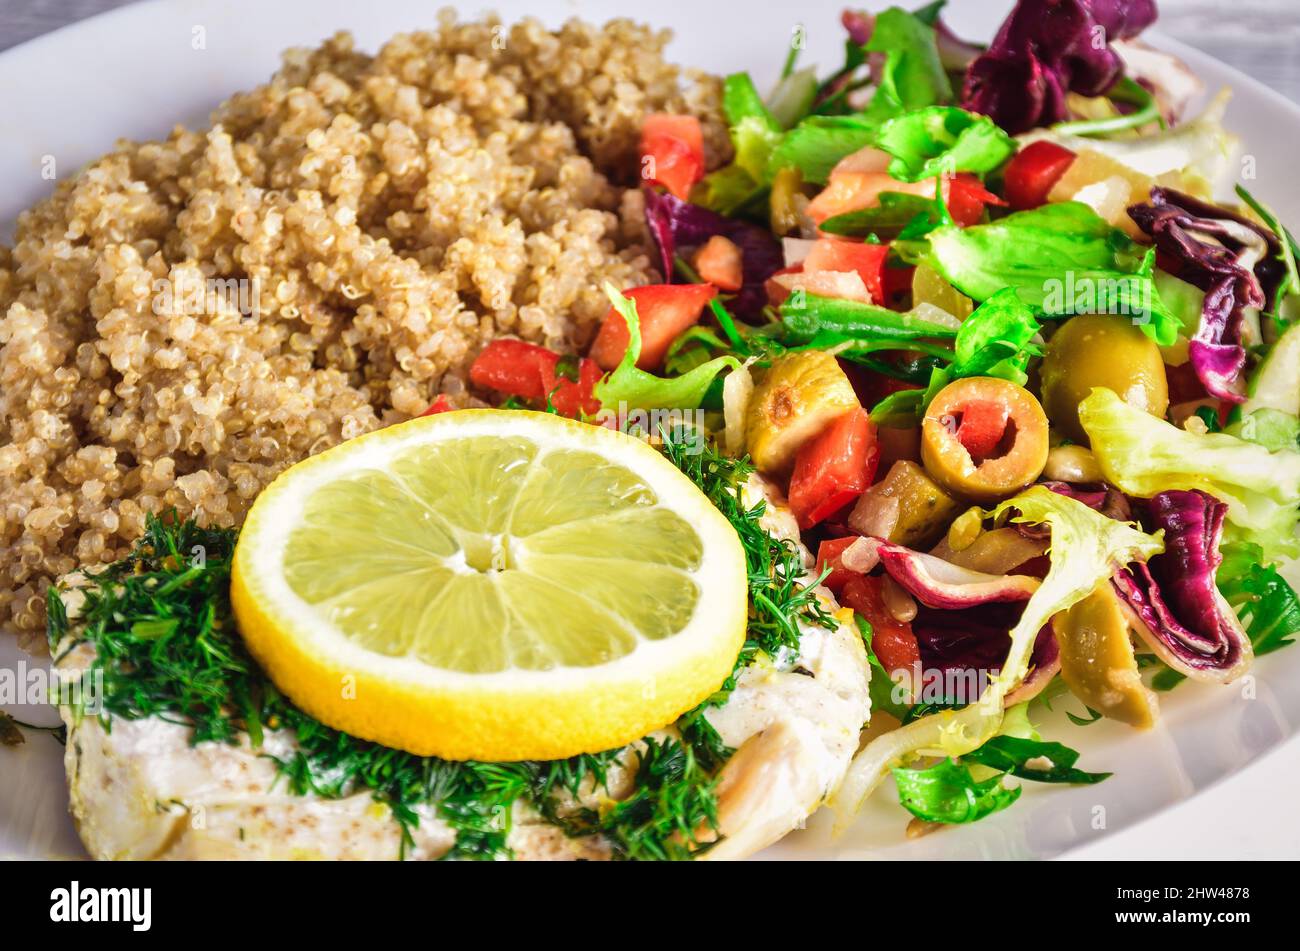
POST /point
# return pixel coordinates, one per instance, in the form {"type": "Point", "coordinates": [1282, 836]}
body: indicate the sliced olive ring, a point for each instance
{"type": "Point", "coordinates": [984, 439]}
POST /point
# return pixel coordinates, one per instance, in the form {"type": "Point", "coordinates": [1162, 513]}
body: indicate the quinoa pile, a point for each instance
{"type": "Point", "coordinates": [184, 319]}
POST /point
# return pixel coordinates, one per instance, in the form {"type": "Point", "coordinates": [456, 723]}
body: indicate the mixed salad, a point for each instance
{"type": "Point", "coordinates": [1032, 392]}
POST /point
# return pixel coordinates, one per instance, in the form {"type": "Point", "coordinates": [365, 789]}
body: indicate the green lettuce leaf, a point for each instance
{"type": "Point", "coordinates": [947, 793]}
{"type": "Point", "coordinates": [1143, 455]}
{"type": "Point", "coordinates": [816, 145]}
{"type": "Point", "coordinates": [1270, 428]}
{"type": "Point", "coordinates": [942, 140]}
{"type": "Point", "coordinates": [913, 75]}
{"type": "Point", "coordinates": [809, 317]}
{"type": "Point", "coordinates": [1185, 301]}
{"type": "Point", "coordinates": [1268, 606]}
{"type": "Point", "coordinates": [996, 340]}
{"type": "Point", "coordinates": [636, 389]}
{"type": "Point", "coordinates": [754, 130]}
{"type": "Point", "coordinates": [1063, 259]}
{"type": "Point", "coordinates": [1086, 549]}
{"type": "Point", "coordinates": [1001, 329]}
{"type": "Point", "coordinates": [897, 214]}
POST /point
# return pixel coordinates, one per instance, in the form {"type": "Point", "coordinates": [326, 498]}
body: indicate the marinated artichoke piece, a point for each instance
{"type": "Point", "coordinates": [1096, 350]}
{"type": "Point", "coordinates": [907, 507]}
{"type": "Point", "coordinates": [800, 396]}
{"type": "Point", "coordinates": [1097, 660]}
{"type": "Point", "coordinates": [984, 439]}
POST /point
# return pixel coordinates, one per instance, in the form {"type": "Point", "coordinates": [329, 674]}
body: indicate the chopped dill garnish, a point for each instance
{"type": "Point", "coordinates": [164, 635]}
{"type": "Point", "coordinates": [780, 596]}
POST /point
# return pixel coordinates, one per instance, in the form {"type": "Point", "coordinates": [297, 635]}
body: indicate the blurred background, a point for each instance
{"type": "Point", "coordinates": [1259, 37]}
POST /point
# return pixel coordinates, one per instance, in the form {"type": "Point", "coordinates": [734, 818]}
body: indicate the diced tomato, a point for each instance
{"type": "Point", "coordinates": [897, 282]}
{"type": "Point", "coordinates": [672, 152]}
{"type": "Point", "coordinates": [573, 398]}
{"type": "Point", "coordinates": [441, 405]}
{"type": "Point", "coordinates": [1184, 385]}
{"type": "Point", "coordinates": [513, 367]}
{"type": "Point", "coordinates": [720, 263]}
{"type": "Point", "coordinates": [831, 254]}
{"type": "Point", "coordinates": [892, 640]}
{"type": "Point", "coordinates": [983, 424]}
{"type": "Point", "coordinates": [533, 373]}
{"type": "Point", "coordinates": [834, 468]}
{"type": "Point", "coordinates": [966, 198]}
{"type": "Point", "coordinates": [776, 291]}
{"type": "Point", "coordinates": [828, 553]}
{"type": "Point", "coordinates": [1032, 174]}
{"type": "Point", "coordinates": [839, 285]}
{"type": "Point", "coordinates": [665, 311]}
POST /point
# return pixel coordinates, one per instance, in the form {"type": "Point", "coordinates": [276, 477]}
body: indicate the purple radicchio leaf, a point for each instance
{"type": "Point", "coordinates": [1233, 260]}
{"type": "Point", "coordinates": [859, 25]}
{"type": "Point", "coordinates": [953, 644]}
{"type": "Point", "coordinates": [964, 619]}
{"type": "Point", "coordinates": [675, 223]}
{"type": "Point", "coordinates": [1107, 500]}
{"type": "Point", "coordinates": [1046, 49]}
{"type": "Point", "coordinates": [1182, 615]}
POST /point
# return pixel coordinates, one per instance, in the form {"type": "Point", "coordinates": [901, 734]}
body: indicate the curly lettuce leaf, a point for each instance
{"type": "Point", "coordinates": [1063, 259]}
{"type": "Point", "coordinates": [754, 130]}
{"type": "Point", "coordinates": [816, 145]}
{"type": "Point", "coordinates": [898, 214]}
{"type": "Point", "coordinates": [1001, 329]}
{"type": "Point", "coordinates": [939, 140]}
{"type": "Point", "coordinates": [1087, 548]}
{"type": "Point", "coordinates": [1143, 456]}
{"type": "Point", "coordinates": [634, 388]}
{"type": "Point", "coordinates": [947, 793]}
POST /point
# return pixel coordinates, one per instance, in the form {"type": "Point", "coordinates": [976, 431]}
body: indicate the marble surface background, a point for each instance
{"type": "Point", "coordinates": [1259, 37]}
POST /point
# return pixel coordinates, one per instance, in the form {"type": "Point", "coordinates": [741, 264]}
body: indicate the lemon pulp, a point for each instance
{"type": "Point", "coordinates": [491, 585]}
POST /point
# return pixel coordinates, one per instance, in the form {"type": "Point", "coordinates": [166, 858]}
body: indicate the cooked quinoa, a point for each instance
{"type": "Point", "coordinates": [387, 216]}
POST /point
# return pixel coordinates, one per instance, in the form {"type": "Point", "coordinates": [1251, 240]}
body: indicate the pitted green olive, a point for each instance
{"type": "Point", "coordinates": [1098, 350]}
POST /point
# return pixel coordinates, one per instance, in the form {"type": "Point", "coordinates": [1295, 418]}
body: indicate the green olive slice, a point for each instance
{"type": "Point", "coordinates": [1014, 463]}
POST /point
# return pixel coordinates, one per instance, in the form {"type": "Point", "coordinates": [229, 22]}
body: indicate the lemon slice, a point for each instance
{"type": "Point", "coordinates": [491, 585]}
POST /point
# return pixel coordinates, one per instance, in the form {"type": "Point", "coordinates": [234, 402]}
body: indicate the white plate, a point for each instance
{"type": "Point", "coordinates": [135, 72]}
